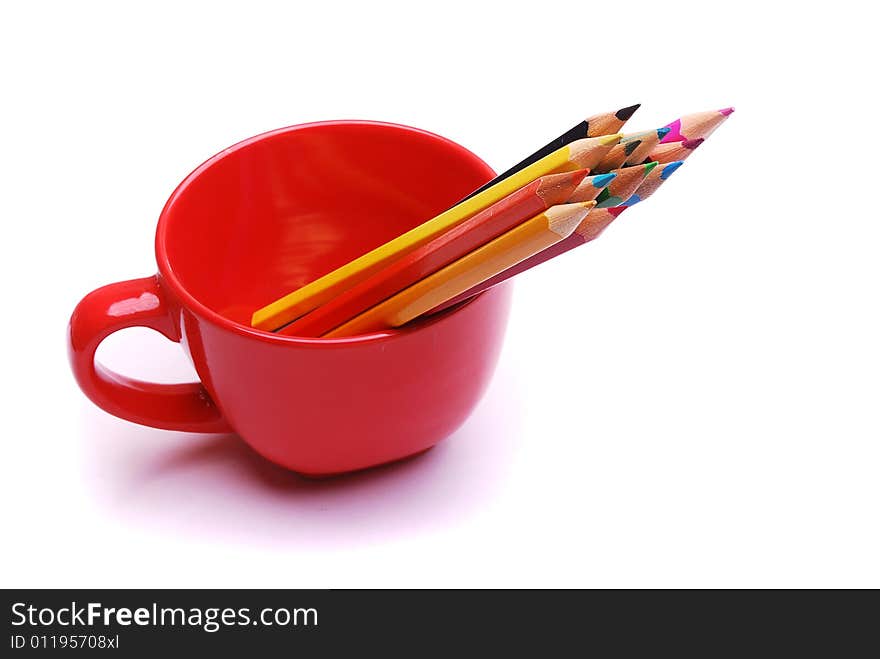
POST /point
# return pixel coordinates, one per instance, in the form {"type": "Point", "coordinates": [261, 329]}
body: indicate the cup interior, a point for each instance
{"type": "Point", "coordinates": [279, 210]}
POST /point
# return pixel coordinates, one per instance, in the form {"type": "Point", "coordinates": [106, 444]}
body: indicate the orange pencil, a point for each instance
{"type": "Point", "coordinates": [536, 197]}
{"type": "Point", "coordinates": [527, 239]}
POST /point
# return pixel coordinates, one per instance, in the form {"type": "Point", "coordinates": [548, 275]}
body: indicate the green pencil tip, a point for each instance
{"type": "Point", "coordinates": [649, 166]}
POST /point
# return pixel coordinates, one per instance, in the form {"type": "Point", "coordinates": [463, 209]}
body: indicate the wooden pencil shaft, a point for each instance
{"type": "Point", "coordinates": [627, 181]}
{"type": "Point", "coordinates": [697, 125]}
{"type": "Point", "coordinates": [591, 187]}
{"type": "Point", "coordinates": [632, 149]}
{"type": "Point", "coordinates": [657, 177]}
{"type": "Point", "coordinates": [646, 145]}
{"type": "Point", "coordinates": [672, 151]}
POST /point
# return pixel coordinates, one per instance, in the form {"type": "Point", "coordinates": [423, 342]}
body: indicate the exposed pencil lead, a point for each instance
{"type": "Point", "coordinates": [610, 139]}
{"type": "Point", "coordinates": [625, 113]}
{"type": "Point", "coordinates": [631, 146]}
{"type": "Point", "coordinates": [603, 180]}
{"type": "Point", "coordinates": [669, 169]}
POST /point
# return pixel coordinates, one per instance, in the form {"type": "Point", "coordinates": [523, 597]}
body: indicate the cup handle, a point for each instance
{"type": "Point", "coordinates": [135, 303]}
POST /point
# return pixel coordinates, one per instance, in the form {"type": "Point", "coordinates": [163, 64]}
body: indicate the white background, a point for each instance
{"type": "Point", "coordinates": [705, 413]}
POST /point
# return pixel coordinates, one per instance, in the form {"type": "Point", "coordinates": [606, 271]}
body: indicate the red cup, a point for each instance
{"type": "Point", "coordinates": [265, 217]}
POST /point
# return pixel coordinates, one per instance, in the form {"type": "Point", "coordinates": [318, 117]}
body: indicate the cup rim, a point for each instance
{"type": "Point", "coordinates": [170, 279]}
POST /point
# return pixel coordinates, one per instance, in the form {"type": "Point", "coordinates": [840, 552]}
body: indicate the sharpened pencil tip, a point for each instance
{"type": "Point", "coordinates": [663, 132]}
{"type": "Point", "coordinates": [609, 139]}
{"type": "Point", "coordinates": [563, 218]}
{"type": "Point", "coordinates": [602, 180]}
{"type": "Point", "coordinates": [669, 169]}
{"type": "Point", "coordinates": [649, 166]}
{"type": "Point", "coordinates": [625, 113]}
{"type": "Point", "coordinates": [727, 111]}
{"type": "Point", "coordinates": [631, 146]}
{"type": "Point", "coordinates": [692, 144]}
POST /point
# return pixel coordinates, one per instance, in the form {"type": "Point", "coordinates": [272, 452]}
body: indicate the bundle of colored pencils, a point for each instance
{"type": "Point", "coordinates": [560, 197]}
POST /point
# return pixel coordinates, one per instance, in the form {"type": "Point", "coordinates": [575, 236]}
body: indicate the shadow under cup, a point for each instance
{"type": "Point", "coordinates": [265, 217]}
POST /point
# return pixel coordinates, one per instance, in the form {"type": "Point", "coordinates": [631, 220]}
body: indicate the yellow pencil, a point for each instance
{"type": "Point", "coordinates": [530, 237]}
{"type": "Point", "coordinates": [580, 154]}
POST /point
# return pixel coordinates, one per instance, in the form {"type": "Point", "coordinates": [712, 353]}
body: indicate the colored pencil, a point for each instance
{"type": "Point", "coordinates": [672, 151]}
{"type": "Point", "coordinates": [502, 216]}
{"type": "Point", "coordinates": [606, 123]}
{"type": "Point", "coordinates": [654, 180]}
{"type": "Point", "coordinates": [624, 185]}
{"type": "Point", "coordinates": [631, 145]}
{"type": "Point", "coordinates": [696, 126]}
{"type": "Point", "coordinates": [530, 237]}
{"type": "Point", "coordinates": [580, 154]}
{"type": "Point", "coordinates": [589, 229]}
{"type": "Point", "coordinates": [647, 144]}
{"type": "Point", "coordinates": [599, 218]}
{"type": "Point", "coordinates": [591, 187]}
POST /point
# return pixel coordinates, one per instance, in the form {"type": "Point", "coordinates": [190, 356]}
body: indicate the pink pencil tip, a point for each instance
{"type": "Point", "coordinates": [692, 144]}
{"type": "Point", "coordinates": [726, 111]}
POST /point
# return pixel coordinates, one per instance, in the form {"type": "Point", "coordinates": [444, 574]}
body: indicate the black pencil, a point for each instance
{"type": "Point", "coordinates": [600, 124]}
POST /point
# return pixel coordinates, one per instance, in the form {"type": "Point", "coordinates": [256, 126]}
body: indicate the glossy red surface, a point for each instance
{"type": "Point", "coordinates": [258, 220]}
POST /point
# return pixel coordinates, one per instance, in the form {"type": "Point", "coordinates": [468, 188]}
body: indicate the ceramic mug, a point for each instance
{"type": "Point", "coordinates": [265, 217]}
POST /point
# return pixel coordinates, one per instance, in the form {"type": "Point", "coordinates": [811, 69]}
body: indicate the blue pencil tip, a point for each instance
{"type": "Point", "coordinates": [662, 132]}
{"type": "Point", "coordinates": [603, 180]}
{"type": "Point", "coordinates": [669, 168]}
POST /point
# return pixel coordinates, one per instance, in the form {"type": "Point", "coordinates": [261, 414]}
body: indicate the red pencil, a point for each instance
{"type": "Point", "coordinates": [528, 201]}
